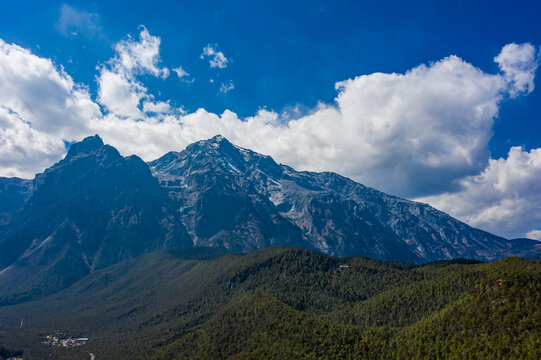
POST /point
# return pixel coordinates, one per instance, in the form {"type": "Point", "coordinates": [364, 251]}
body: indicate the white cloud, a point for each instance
{"type": "Point", "coordinates": [181, 72]}
{"type": "Point", "coordinates": [216, 58]}
{"type": "Point", "coordinates": [505, 198]}
{"type": "Point", "coordinates": [42, 94]}
{"type": "Point", "coordinates": [227, 87]}
{"type": "Point", "coordinates": [534, 234]}
{"type": "Point", "coordinates": [421, 133]}
{"type": "Point", "coordinates": [40, 105]}
{"type": "Point", "coordinates": [120, 94]}
{"type": "Point", "coordinates": [118, 89]}
{"type": "Point", "coordinates": [159, 107]}
{"type": "Point", "coordinates": [183, 75]}
{"type": "Point", "coordinates": [518, 63]}
{"type": "Point", "coordinates": [139, 57]}
{"type": "Point", "coordinates": [24, 150]}
{"type": "Point", "coordinates": [74, 22]}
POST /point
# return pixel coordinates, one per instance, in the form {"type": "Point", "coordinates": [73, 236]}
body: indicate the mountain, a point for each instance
{"type": "Point", "coordinates": [287, 303]}
{"type": "Point", "coordinates": [92, 209]}
{"type": "Point", "coordinates": [96, 207]}
{"type": "Point", "coordinates": [218, 205]}
{"type": "Point", "coordinates": [524, 248]}
{"type": "Point", "coordinates": [242, 200]}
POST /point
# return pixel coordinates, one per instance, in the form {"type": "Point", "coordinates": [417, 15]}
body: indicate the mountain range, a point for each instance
{"type": "Point", "coordinates": [95, 208]}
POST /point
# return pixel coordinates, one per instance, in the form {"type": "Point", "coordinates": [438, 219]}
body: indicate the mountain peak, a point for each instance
{"type": "Point", "coordinates": [218, 139]}
{"type": "Point", "coordinates": [87, 145]}
{"type": "Point", "coordinates": [218, 144]}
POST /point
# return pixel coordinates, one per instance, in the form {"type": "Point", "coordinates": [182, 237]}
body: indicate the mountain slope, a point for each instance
{"type": "Point", "coordinates": [497, 316]}
{"type": "Point", "coordinates": [92, 209]}
{"type": "Point", "coordinates": [197, 304]}
{"type": "Point", "coordinates": [226, 193]}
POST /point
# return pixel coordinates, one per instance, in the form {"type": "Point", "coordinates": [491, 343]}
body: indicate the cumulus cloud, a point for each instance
{"type": "Point", "coordinates": [518, 63]}
{"type": "Point", "coordinates": [422, 133]}
{"type": "Point", "coordinates": [139, 57]}
{"type": "Point", "coordinates": [74, 22]}
{"type": "Point", "coordinates": [118, 89]}
{"type": "Point", "coordinates": [40, 106]}
{"type": "Point", "coordinates": [24, 150]}
{"type": "Point", "coordinates": [227, 87]}
{"type": "Point", "coordinates": [505, 198]}
{"type": "Point", "coordinates": [158, 107]}
{"type": "Point", "coordinates": [120, 94]}
{"type": "Point", "coordinates": [216, 58]}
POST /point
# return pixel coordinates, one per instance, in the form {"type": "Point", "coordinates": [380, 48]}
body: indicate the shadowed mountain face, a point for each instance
{"type": "Point", "coordinates": [92, 209]}
{"type": "Point", "coordinates": [96, 208]}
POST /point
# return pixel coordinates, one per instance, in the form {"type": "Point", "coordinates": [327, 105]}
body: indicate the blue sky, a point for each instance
{"type": "Point", "coordinates": [312, 83]}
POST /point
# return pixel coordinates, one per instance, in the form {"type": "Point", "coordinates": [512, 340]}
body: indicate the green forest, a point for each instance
{"type": "Point", "coordinates": [287, 303]}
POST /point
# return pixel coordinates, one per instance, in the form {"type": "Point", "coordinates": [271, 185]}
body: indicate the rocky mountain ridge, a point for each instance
{"type": "Point", "coordinates": [333, 214]}
{"type": "Point", "coordinates": [96, 207]}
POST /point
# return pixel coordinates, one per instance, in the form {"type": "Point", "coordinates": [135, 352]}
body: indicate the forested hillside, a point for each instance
{"type": "Point", "coordinates": [288, 303]}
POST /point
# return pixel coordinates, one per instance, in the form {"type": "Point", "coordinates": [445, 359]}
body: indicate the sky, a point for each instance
{"type": "Point", "coordinates": [432, 101]}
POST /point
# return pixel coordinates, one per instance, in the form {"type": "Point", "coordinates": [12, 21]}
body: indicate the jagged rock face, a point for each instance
{"type": "Point", "coordinates": [92, 209]}
{"type": "Point", "coordinates": [240, 199]}
{"type": "Point", "coordinates": [218, 205]}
